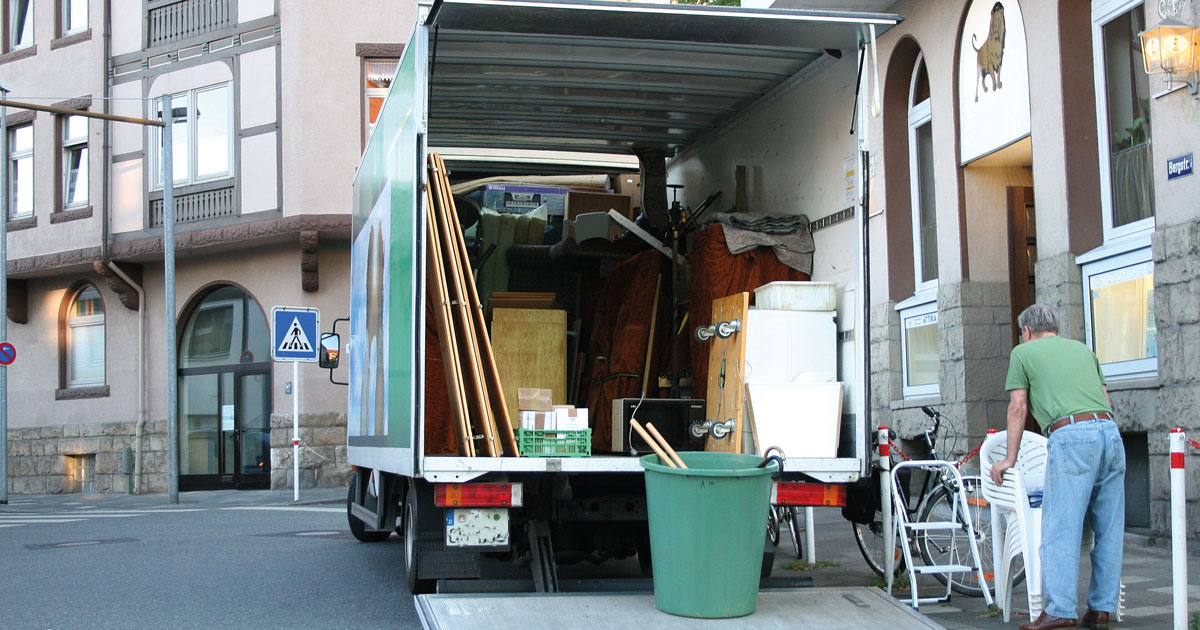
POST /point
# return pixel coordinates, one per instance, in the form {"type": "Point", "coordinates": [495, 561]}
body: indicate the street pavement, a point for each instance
{"type": "Point", "coordinates": [307, 586]}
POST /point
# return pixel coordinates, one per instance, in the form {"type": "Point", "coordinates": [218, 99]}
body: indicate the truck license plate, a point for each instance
{"type": "Point", "coordinates": [477, 527]}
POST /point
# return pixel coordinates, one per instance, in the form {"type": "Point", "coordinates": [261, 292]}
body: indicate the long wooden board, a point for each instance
{"type": "Point", "coordinates": [477, 398]}
{"type": "Point", "coordinates": [727, 373]}
{"type": "Point", "coordinates": [500, 420]}
{"type": "Point", "coordinates": [449, 343]}
{"type": "Point", "coordinates": [531, 351]}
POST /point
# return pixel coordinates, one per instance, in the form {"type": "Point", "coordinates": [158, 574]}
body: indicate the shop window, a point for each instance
{"type": "Point", "coordinates": [1120, 314]}
{"type": "Point", "coordinates": [20, 171]}
{"type": "Point", "coordinates": [377, 78]}
{"type": "Point", "coordinates": [18, 32]}
{"type": "Point", "coordinates": [920, 147]}
{"type": "Point", "coordinates": [85, 339]}
{"type": "Point", "coordinates": [75, 161]}
{"type": "Point", "coordinates": [919, 347]}
{"type": "Point", "coordinates": [202, 136]}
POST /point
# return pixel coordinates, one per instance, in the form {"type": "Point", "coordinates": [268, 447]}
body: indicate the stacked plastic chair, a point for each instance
{"type": "Point", "coordinates": [1016, 527]}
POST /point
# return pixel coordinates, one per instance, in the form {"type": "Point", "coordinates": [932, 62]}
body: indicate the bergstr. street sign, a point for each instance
{"type": "Point", "coordinates": [295, 331]}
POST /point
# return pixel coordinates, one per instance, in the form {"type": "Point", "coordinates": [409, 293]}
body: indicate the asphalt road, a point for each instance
{"type": "Point", "coordinates": [196, 567]}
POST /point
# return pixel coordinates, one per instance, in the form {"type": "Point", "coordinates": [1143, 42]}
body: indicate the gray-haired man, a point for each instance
{"type": "Point", "coordinates": [1085, 466]}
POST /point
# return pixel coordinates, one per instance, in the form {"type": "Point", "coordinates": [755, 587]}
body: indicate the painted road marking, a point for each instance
{"type": "Point", "coordinates": [287, 508]}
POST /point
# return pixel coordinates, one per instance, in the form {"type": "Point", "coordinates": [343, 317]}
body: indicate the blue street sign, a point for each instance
{"type": "Point", "coordinates": [1180, 166]}
{"type": "Point", "coordinates": [295, 331]}
{"type": "Point", "coordinates": [8, 353]}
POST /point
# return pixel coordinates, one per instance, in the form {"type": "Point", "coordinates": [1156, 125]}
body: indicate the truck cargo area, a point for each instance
{"type": "Point", "coordinates": [810, 608]}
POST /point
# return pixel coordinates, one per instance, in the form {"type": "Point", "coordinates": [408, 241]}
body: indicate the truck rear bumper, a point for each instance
{"type": "Point", "coordinates": [463, 469]}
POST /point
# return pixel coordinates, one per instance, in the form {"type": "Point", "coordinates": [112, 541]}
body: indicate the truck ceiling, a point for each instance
{"type": "Point", "coordinates": [611, 77]}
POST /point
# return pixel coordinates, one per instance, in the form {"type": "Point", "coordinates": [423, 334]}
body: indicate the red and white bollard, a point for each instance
{"type": "Point", "coordinates": [1179, 529]}
{"type": "Point", "coordinates": [885, 486]}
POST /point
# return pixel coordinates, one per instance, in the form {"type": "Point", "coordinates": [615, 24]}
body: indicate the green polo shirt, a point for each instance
{"type": "Point", "coordinates": [1062, 375]}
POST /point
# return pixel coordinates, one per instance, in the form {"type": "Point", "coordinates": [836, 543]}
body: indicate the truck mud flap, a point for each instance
{"type": "Point", "coordinates": [827, 608]}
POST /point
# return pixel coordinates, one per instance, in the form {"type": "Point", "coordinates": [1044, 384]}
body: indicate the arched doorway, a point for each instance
{"type": "Point", "coordinates": [225, 394]}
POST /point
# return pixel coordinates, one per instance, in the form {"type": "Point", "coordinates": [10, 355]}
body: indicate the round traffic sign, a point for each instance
{"type": "Point", "coordinates": [8, 353]}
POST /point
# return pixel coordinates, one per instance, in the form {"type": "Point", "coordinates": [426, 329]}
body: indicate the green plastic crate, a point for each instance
{"type": "Point", "coordinates": [544, 443]}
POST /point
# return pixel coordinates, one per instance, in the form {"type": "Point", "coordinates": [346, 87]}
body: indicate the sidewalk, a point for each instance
{"type": "Point", "coordinates": [1146, 573]}
{"type": "Point", "coordinates": [206, 499]}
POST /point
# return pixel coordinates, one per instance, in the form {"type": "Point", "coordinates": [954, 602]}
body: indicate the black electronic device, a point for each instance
{"type": "Point", "coordinates": [673, 417]}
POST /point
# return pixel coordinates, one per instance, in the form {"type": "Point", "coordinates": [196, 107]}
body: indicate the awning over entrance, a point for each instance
{"type": "Point", "coordinates": [608, 77]}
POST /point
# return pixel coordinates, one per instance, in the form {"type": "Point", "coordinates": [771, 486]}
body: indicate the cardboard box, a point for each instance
{"type": "Point", "coordinates": [580, 202]}
{"type": "Point", "coordinates": [630, 184]}
{"type": "Point", "coordinates": [532, 399]}
{"type": "Point", "coordinates": [539, 420]}
{"type": "Point", "coordinates": [510, 198]}
{"type": "Point", "coordinates": [568, 418]}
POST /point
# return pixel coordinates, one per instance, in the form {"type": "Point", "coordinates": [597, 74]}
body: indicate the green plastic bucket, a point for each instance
{"type": "Point", "coordinates": [708, 525]}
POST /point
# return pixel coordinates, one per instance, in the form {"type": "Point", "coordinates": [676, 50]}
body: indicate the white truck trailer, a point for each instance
{"type": "Point", "coordinates": [515, 78]}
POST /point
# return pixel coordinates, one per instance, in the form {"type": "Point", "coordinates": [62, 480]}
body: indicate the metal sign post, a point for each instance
{"type": "Point", "coordinates": [295, 334]}
{"type": "Point", "coordinates": [4, 294]}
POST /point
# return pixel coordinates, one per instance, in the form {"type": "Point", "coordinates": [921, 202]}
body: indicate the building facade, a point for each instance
{"type": "Point", "coordinates": [272, 108]}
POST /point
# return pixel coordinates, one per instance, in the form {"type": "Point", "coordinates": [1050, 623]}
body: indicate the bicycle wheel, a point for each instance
{"type": "Point", "coordinates": [773, 524]}
{"type": "Point", "coordinates": [939, 547]}
{"type": "Point", "coordinates": [793, 518]}
{"type": "Point", "coordinates": [869, 537]}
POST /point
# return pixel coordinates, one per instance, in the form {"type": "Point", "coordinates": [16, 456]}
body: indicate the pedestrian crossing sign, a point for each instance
{"type": "Point", "coordinates": [295, 330]}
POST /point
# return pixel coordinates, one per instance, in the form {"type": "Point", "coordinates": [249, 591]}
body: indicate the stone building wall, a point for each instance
{"type": "Point", "coordinates": [322, 451]}
{"type": "Point", "coordinates": [39, 458]}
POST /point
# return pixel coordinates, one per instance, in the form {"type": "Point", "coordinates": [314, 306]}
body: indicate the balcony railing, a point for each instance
{"type": "Point", "coordinates": [185, 19]}
{"type": "Point", "coordinates": [200, 206]}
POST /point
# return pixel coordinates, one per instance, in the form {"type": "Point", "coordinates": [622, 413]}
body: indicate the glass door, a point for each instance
{"type": "Point", "coordinates": [253, 431]}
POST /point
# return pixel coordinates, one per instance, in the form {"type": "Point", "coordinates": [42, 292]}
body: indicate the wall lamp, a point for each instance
{"type": "Point", "coordinates": [1170, 47]}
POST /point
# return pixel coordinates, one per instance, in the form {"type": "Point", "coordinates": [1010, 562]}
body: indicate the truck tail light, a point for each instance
{"type": "Point", "coordinates": [808, 494]}
{"type": "Point", "coordinates": [455, 495]}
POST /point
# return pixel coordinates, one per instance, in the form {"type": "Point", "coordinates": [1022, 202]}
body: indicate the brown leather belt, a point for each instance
{"type": "Point", "coordinates": [1079, 417]}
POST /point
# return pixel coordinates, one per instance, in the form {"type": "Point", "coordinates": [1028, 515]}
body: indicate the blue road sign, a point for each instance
{"type": "Point", "coordinates": [8, 353]}
{"type": "Point", "coordinates": [295, 331]}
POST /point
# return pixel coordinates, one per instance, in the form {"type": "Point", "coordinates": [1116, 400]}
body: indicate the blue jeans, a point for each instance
{"type": "Point", "coordinates": [1085, 478]}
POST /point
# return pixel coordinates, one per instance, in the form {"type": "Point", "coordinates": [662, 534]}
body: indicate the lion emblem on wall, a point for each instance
{"type": "Point", "coordinates": [990, 55]}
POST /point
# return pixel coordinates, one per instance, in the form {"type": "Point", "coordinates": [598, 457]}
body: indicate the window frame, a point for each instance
{"type": "Point", "coordinates": [1103, 13]}
{"type": "Point", "coordinates": [919, 115]}
{"type": "Point", "coordinates": [70, 322]}
{"type": "Point", "coordinates": [369, 92]}
{"type": "Point", "coordinates": [156, 138]}
{"type": "Point", "coordinates": [923, 304]}
{"type": "Point", "coordinates": [64, 18]}
{"type": "Point", "coordinates": [13, 156]}
{"type": "Point", "coordinates": [67, 145]}
{"type": "Point", "coordinates": [10, 30]}
{"type": "Point", "coordinates": [1124, 370]}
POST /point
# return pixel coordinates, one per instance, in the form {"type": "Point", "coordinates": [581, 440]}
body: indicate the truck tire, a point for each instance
{"type": "Point", "coordinates": [416, 586]}
{"type": "Point", "coordinates": [359, 528]}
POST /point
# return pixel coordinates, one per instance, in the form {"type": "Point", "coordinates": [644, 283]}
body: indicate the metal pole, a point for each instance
{"type": "Point", "coordinates": [885, 486]}
{"type": "Point", "coordinates": [4, 296]}
{"type": "Point", "coordinates": [1179, 577]}
{"type": "Point", "coordinates": [168, 176]}
{"type": "Point", "coordinates": [295, 430]}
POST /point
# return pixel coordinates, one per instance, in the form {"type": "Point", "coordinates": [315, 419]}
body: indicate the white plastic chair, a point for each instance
{"type": "Point", "coordinates": [1016, 527]}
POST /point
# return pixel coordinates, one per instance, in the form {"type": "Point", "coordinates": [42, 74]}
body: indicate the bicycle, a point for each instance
{"type": "Point", "coordinates": [792, 517]}
{"type": "Point", "coordinates": [934, 502]}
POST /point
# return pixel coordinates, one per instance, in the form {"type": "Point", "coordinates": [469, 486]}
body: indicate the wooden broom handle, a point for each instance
{"type": "Point", "coordinates": [667, 447]}
{"type": "Point", "coordinates": [653, 445]}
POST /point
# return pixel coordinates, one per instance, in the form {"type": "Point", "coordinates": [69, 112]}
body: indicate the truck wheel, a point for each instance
{"type": "Point", "coordinates": [415, 585]}
{"type": "Point", "coordinates": [359, 528]}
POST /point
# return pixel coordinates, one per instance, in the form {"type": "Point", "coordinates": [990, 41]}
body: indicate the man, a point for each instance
{"type": "Point", "coordinates": [1085, 466]}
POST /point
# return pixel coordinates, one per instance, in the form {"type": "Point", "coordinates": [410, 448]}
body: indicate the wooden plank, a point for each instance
{"type": "Point", "coordinates": [650, 338]}
{"type": "Point", "coordinates": [501, 420]}
{"type": "Point", "coordinates": [726, 373]}
{"type": "Point", "coordinates": [531, 351]}
{"type": "Point", "coordinates": [443, 317]}
{"type": "Point", "coordinates": [480, 410]}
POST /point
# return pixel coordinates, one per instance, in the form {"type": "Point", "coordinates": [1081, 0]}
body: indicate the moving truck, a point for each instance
{"type": "Point", "coordinates": [694, 89]}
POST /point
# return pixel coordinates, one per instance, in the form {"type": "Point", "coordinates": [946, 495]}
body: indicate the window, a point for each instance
{"type": "Point", "coordinates": [919, 347]}
{"type": "Point", "coordinates": [20, 170]}
{"type": "Point", "coordinates": [203, 147]}
{"type": "Point", "coordinates": [75, 161]}
{"type": "Point", "coordinates": [1123, 115]}
{"type": "Point", "coordinates": [920, 147]}
{"type": "Point", "coordinates": [19, 31]}
{"type": "Point", "coordinates": [1119, 308]}
{"type": "Point", "coordinates": [85, 339]}
{"type": "Point", "coordinates": [377, 78]}
{"type": "Point", "coordinates": [74, 16]}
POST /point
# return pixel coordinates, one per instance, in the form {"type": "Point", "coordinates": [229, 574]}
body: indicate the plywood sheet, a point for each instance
{"type": "Point", "coordinates": [726, 372]}
{"type": "Point", "coordinates": [803, 419]}
{"type": "Point", "coordinates": [531, 351]}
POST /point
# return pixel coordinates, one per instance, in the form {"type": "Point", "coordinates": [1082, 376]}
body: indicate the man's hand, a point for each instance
{"type": "Point", "coordinates": [998, 470]}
